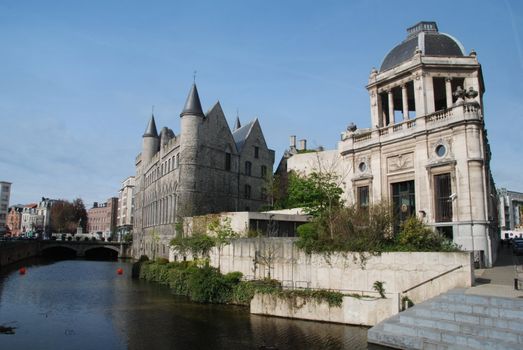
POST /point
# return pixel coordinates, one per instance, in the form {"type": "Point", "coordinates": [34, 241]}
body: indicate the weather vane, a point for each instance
{"type": "Point", "coordinates": [194, 77]}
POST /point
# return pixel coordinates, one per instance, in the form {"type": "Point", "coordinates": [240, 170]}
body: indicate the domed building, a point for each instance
{"type": "Point", "coordinates": [426, 150]}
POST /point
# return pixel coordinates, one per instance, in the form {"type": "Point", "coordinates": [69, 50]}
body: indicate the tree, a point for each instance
{"type": "Point", "coordinates": [319, 193]}
{"type": "Point", "coordinates": [65, 216]}
{"type": "Point", "coordinates": [223, 234]}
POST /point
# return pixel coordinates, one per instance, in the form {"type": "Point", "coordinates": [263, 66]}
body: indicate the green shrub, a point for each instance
{"type": "Point", "coordinates": [233, 278]}
{"type": "Point", "coordinates": [162, 261]}
{"type": "Point", "coordinates": [414, 235]}
{"type": "Point", "coordinates": [207, 285]}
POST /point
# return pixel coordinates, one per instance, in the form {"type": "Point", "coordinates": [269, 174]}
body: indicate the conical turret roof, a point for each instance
{"type": "Point", "coordinates": [151, 129]}
{"type": "Point", "coordinates": [192, 105]}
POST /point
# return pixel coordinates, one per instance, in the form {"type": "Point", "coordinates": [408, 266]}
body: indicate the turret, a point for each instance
{"type": "Point", "coordinates": [191, 119]}
{"type": "Point", "coordinates": [151, 142]}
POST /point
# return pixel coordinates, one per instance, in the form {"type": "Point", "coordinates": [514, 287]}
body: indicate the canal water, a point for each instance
{"type": "Point", "coordinates": [80, 304]}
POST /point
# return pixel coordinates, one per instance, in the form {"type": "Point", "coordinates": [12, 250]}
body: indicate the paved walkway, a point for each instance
{"type": "Point", "coordinates": [499, 280]}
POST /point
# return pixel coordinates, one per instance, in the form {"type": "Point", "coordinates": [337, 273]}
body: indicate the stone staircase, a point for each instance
{"type": "Point", "coordinates": [455, 320]}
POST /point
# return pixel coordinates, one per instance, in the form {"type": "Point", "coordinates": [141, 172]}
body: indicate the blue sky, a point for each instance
{"type": "Point", "coordinates": [78, 78]}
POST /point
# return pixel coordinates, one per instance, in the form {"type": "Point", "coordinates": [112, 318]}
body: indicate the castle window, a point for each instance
{"type": "Point", "coordinates": [256, 152]}
{"type": "Point", "coordinates": [178, 160]}
{"type": "Point", "coordinates": [263, 171]}
{"type": "Point", "coordinates": [248, 168]}
{"type": "Point", "coordinates": [263, 194]}
{"type": "Point", "coordinates": [247, 192]}
{"type": "Point", "coordinates": [227, 161]}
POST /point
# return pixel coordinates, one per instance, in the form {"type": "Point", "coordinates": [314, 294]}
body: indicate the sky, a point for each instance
{"type": "Point", "coordinates": [78, 79]}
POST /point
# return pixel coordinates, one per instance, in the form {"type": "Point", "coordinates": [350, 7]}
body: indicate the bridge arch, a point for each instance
{"type": "Point", "coordinates": [102, 252]}
{"type": "Point", "coordinates": [59, 252]}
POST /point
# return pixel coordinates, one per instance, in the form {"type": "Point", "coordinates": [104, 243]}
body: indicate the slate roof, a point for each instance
{"type": "Point", "coordinates": [192, 104]}
{"type": "Point", "coordinates": [426, 37]}
{"type": "Point", "coordinates": [151, 129]}
{"type": "Point", "coordinates": [240, 135]}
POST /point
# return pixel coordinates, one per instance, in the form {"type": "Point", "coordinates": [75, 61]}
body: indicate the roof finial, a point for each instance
{"type": "Point", "coordinates": [194, 77]}
{"type": "Point", "coordinates": [237, 124]}
{"type": "Point", "coordinates": [152, 110]}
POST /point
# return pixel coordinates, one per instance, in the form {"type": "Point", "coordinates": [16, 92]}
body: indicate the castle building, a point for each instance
{"type": "Point", "coordinates": [426, 151]}
{"type": "Point", "coordinates": [205, 169]}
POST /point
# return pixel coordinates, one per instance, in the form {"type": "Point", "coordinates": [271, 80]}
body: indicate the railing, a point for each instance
{"type": "Point", "coordinates": [397, 127]}
{"type": "Point", "coordinates": [290, 284]}
{"type": "Point", "coordinates": [362, 137]}
{"type": "Point", "coordinates": [432, 279]}
{"type": "Point", "coordinates": [440, 115]}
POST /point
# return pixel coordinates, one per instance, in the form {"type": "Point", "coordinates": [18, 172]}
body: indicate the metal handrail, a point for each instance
{"type": "Point", "coordinates": [432, 279]}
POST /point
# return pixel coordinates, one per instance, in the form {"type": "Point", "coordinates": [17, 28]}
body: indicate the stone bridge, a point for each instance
{"type": "Point", "coordinates": [82, 247]}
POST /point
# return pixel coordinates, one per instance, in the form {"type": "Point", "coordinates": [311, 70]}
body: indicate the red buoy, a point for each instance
{"type": "Point", "coordinates": [119, 271]}
{"type": "Point", "coordinates": [22, 270]}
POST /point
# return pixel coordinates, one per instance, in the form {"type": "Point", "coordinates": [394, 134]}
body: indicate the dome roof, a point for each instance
{"type": "Point", "coordinates": [428, 40]}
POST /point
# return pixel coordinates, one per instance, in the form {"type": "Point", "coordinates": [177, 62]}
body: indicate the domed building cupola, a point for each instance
{"type": "Point", "coordinates": [419, 76]}
{"type": "Point", "coordinates": [425, 37]}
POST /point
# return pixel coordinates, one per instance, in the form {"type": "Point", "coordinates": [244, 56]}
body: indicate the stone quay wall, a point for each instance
{"type": "Point", "coordinates": [11, 252]}
{"type": "Point", "coordinates": [399, 271]}
{"type": "Point", "coordinates": [365, 311]}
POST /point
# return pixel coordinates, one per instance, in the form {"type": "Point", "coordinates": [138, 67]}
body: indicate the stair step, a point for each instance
{"type": "Point", "coordinates": [483, 310]}
{"type": "Point", "coordinates": [455, 320]}
{"type": "Point", "coordinates": [499, 320]}
{"type": "Point", "coordinates": [489, 331]}
{"type": "Point", "coordinates": [449, 338]}
{"type": "Point", "coordinates": [377, 335]}
{"type": "Point", "coordinates": [482, 300]}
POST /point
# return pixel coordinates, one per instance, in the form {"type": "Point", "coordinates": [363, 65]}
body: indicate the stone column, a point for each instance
{"type": "Point", "coordinates": [405, 101]}
{"type": "Point", "coordinates": [448, 92]}
{"type": "Point", "coordinates": [391, 108]}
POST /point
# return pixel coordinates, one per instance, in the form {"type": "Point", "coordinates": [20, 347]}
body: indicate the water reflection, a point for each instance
{"type": "Point", "coordinates": [78, 304]}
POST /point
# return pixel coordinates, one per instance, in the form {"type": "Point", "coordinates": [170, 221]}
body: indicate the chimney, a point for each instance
{"type": "Point", "coordinates": [303, 145]}
{"type": "Point", "coordinates": [293, 141]}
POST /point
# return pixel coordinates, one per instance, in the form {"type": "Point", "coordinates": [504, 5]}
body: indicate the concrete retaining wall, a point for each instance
{"type": "Point", "coordinates": [366, 311]}
{"type": "Point", "coordinates": [256, 257]}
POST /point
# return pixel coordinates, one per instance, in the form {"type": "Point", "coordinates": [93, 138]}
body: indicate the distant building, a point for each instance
{"type": "Point", "coordinates": [101, 218]}
{"type": "Point", "coordinates": [207, 168]}
{"type": "Point", "coordinates": [31, 221]}
{"type": "Point", "coordinates": [44, 211]}
{"type": "Point", "coordinates": [510, 210]}
{"type": "Point", "coordinates": [426, 150]}
{"type": "Point", "coordinates": [5, 194]}
{"type": "Point", "coordinates": [125, 207]}
{"type": "Point", "coordinates": [14, 220]}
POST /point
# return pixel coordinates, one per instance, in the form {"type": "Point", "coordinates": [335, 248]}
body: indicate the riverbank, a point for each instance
{"type": "Point", "coordinates": [203, 283]}
{"type": "Point", "coordinates": [14, 251]}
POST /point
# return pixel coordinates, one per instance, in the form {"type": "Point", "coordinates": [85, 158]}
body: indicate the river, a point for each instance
{"type": "Point", "coordinates": [80, 304]}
